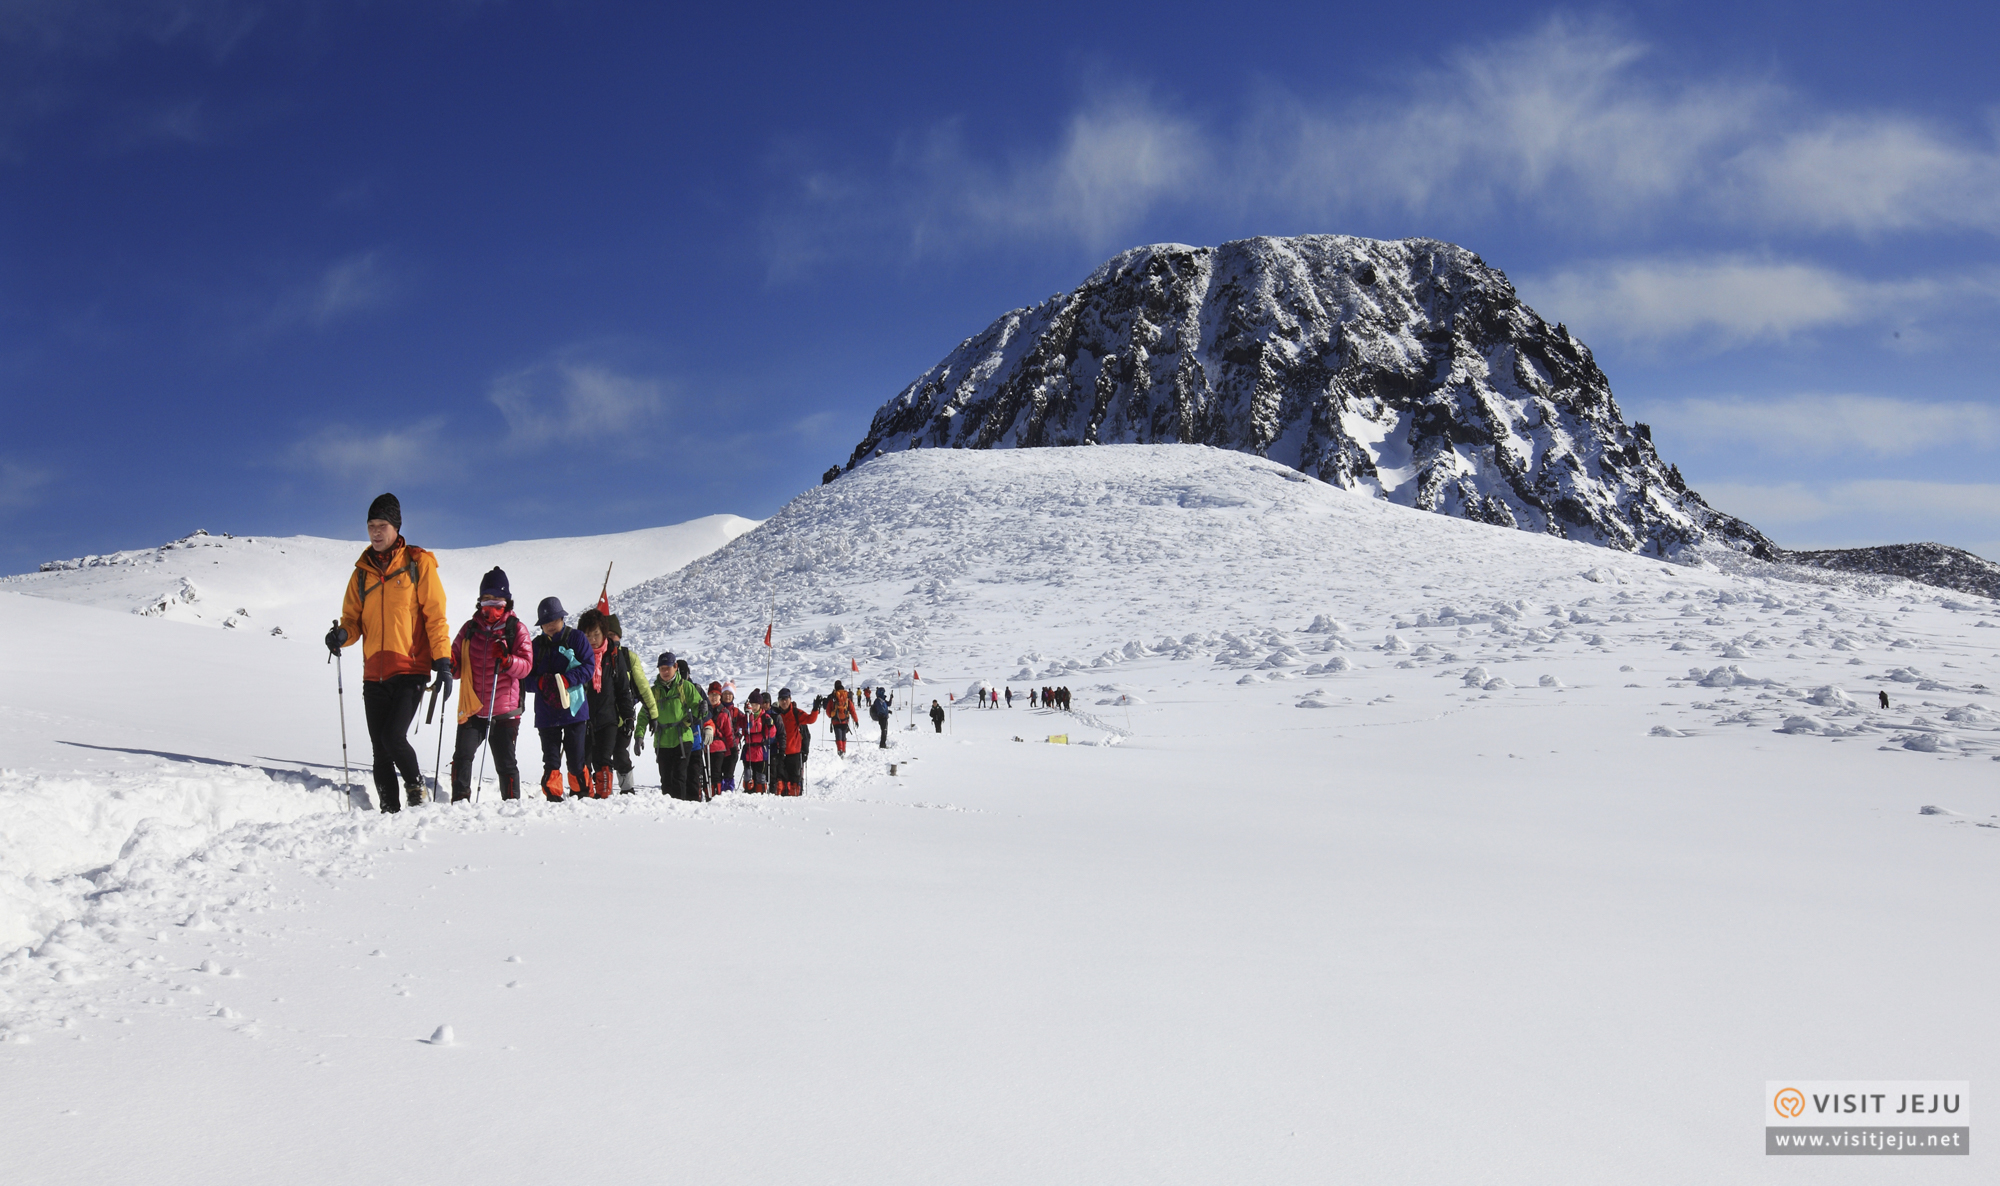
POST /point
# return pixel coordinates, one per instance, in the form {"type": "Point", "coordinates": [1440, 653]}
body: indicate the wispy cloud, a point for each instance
{"type": "Point", "coordinates": [356, 284]}
{"type": "Point", "coordinates": [372, 458]}
{"type": "Point", "coordinates": [1823, 425]}
{"type": "Point", "coordinates": [99, 26]}
{"type": "Point", "coordinates": [21, 485]}
{"type": "Point", "coordinates": [1866, 511]}
{"type": "Point", "coordinates": [1573, 124]}
{"type": "Point", "coordinates": [571, 397]}
{"type": "Point", "coordinates": [1732, 300]}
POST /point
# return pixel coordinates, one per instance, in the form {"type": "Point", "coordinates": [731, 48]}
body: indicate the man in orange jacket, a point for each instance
{"type": "Point", "coordinates": [395, 608]}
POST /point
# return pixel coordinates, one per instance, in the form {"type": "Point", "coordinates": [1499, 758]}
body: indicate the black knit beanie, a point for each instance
{"type": "Point", "coordinates": [385, 507]}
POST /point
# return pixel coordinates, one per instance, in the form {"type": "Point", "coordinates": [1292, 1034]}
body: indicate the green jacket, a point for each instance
{"type": "Point", "coordinates": [641, 687]}
{"type": "Point", "coordinates": [675, 711]}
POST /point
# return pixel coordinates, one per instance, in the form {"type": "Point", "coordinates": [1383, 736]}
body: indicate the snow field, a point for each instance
{"type": "Point", "coordinates": [1426, 852]}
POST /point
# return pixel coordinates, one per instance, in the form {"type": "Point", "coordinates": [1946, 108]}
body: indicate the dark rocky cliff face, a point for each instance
{"type": "Point", "coordinates": [1409, 370]}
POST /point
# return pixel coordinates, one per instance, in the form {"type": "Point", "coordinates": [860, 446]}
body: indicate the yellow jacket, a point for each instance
{"type": "Point", "coordinates": [395, 608]}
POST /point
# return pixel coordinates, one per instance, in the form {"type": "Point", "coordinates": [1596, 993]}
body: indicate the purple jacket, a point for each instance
{"type": "Point", "coordinates": [575, 668]}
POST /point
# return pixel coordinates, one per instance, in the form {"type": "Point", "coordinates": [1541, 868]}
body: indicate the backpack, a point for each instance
{"type": "Point", "coordinates": [879, 708]}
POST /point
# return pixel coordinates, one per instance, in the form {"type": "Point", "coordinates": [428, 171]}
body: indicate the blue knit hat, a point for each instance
{"type": "Point", "coordinates": [550, 610]}
{"type": "Point", "coordinates": [494, 585]}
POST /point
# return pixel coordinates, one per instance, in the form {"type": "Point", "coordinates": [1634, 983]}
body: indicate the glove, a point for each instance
{"type": "Point", "coordinates": [500, 651]}
{"type": "Point", "coordinates": [819, 702]}
{"type": "Point", "coordinates": [639, 741]}
{"type": "Point", "coordinates": [443, 669]}
{"type": "Point", "coordinates": [336, 638]}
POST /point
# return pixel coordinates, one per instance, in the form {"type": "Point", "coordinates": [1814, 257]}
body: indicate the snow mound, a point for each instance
{"type": "Point", "coordinates": [64, 837]}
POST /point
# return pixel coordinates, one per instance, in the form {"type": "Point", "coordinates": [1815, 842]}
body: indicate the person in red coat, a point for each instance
{"type": "Point", "coordinates": [793, 720]}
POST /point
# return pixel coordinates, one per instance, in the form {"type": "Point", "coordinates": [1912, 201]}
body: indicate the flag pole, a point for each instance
{"type": "Point", "coordinates": [770, 623]}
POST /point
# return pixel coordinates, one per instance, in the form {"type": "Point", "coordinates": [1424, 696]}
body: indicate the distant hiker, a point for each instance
{"type": "Point", "coordinates": [676, 716]}
{"type": "Point", "coordinates": [791, 760]}
{"type": "Point", "coordinates": [879, 710]}
{"type": "Point", "coordinates": [1062, 698]}
{"type": "Point", "coordinates": [1010, 697]}
{"type": "Point", "coordinates": [630, 692]}
{"type": "Point", "coordinates": [564, 664]}
{"type": "Point", "coordinates": [1884, 694]}
{"type": "Point", "coordinates": [394, 606]}
{"type": "Point", "coordinates": [489, 656]}
{"type": "Point", "coordinates": [1031, 698]}
{"type": "Point", "coordinates": [937, 716]}
{"type": "Point", "coordinates": [723, 737]}
{"type": "Point", "coordinates": [761, 736]}
{"type": "Point", "coordinates": [840, 711]}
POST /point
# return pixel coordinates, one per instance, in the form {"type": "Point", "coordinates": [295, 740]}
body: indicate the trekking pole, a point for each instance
{"type": "Point", "coordinates": [437, 763]}
{"type": "Point", "coordinates": [340, 684]}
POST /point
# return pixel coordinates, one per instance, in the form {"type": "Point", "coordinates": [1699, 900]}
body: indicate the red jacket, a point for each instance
{"type": "Point", "coordinates": [795, 725]}
{"type": "Point", "coordinates": [728, 722]}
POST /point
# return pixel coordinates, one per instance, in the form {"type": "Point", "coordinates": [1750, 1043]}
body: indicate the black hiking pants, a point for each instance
{"type": "Point", "coordinates": [598, 742]}
{"type": "Point", "coordinates": [884, 722]}
{"type": "Point", "coordinates": [500, 736]}
{"type": "Point", "coordinates": [560, 742]}
{"type": "Point", "coordinates": [680, 771]}
{"type": "Point", "coordinates": [391, 704]}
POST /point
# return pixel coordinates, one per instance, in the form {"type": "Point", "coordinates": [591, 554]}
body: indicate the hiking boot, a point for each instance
{"type": "Point", "coordinates": [552, 785]}
{"type": "Point", "coordinates": [577, 788]}
{"type": "Point", "coordinates": [625, 784]}
{"type": "Point", "coordinates": [413, 791]}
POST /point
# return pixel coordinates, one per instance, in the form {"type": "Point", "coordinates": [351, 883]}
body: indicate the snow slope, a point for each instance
{"type": "Point", "coordinates": [294, 584]}
{"type": "Point", "coordinates": [1421, 850]}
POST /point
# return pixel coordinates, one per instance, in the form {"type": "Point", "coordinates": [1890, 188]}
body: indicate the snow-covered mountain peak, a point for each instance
{"type": "Point", "coordinates": [1409, 370]}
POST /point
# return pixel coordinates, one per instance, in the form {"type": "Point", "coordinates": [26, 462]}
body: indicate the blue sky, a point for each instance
{"type": "Point", "coordinates": [550, 268]}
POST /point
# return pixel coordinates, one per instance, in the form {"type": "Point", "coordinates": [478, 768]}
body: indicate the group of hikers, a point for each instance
{"type": "Point", "coordinates": [594, 705]}
{"type": "Point", "coordinates": [992, 698]}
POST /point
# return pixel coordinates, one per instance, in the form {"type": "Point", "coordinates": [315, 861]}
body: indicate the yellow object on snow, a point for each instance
{"type": "Point", "coordinates": [1058, 739]}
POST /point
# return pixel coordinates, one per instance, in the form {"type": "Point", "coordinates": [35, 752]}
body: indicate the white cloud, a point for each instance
{"type": "Point", "coordinates": [374, 458]}
{"type": "Point", "coordinates": [1732, 300]}
{"type": "Point", "coordinates": [1863, 512]}
{"type": "Point", "coordinates": [1828, 424]}
{"type": "Point", "coordinates": [21, 486]}
{"type": "Point", "coordinates": [1871, 173]}
{"type": "Point", "coordinates": [99, 26]}
{"type": "Point", "coordinates": [1573, 123]}
{"type": "Point", "coordinates": [569, 398]}
{"type": "Point", "coordinates": [355, 284]}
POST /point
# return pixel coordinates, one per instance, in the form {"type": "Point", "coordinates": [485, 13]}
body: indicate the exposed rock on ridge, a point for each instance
{"type": "Point", "coordinates": [1930, 564]}
{"type": "Point", "coordinates": [1408, 369]}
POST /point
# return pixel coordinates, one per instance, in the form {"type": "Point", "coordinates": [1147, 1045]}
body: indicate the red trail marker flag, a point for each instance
{"type": "Point", "coordinates": [853, 666]}
{"type": "Point", "coordinates": [767, 636]}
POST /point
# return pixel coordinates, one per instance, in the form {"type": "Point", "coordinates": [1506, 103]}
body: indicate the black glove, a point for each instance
{"type": "Point", "coordinates": [819, 702]}
{"type": "Point", "coordinates": [336, 638]}
{"type": "Point", "coordinates": [443, 684]}
{"type": "Point", "coordinates": [639, 741]}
